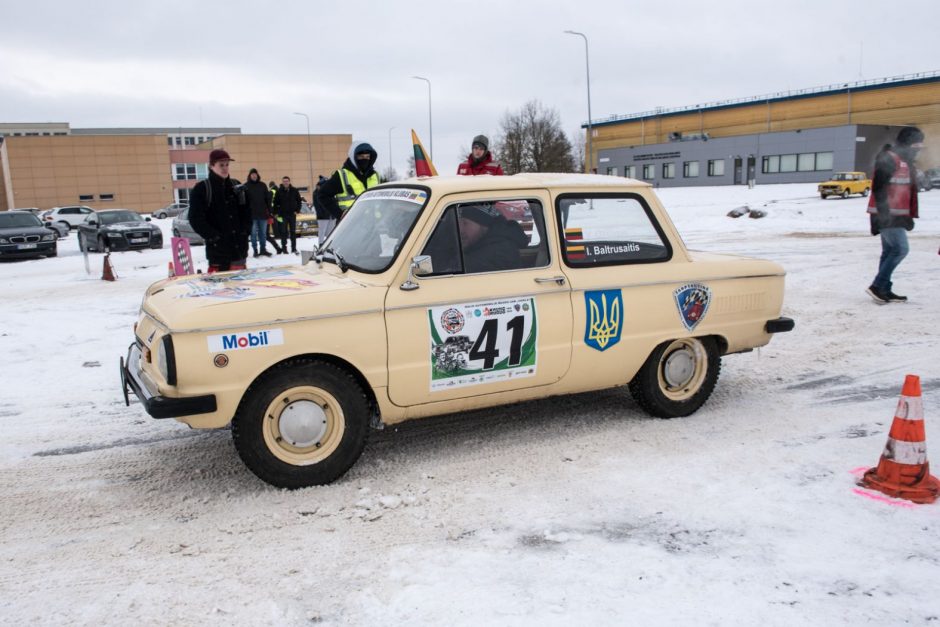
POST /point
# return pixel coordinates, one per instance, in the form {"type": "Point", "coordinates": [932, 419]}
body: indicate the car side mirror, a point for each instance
{"type": "Point", "coordinates": [421, 265]}
{"type": "Point", "coordinates": [147, 219]}
{"type": "Point", "coordinates": [92, 223]}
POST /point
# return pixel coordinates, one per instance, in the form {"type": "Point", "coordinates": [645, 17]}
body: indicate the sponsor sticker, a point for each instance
{"type": "Point", "coordinates": [416, 196]}
{"type": "Point", "coordinates": [693, 300]}
{"type": "Point", "coordinates": [245, 340]}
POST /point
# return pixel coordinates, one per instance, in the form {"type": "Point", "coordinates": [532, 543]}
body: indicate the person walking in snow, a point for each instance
{"type": "Point", "coordinates": [892, 208]}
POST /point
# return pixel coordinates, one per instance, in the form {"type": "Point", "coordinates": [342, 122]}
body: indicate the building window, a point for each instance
{"type": "Point", "coordinates": [669, 170]}
{"type": "Point", "coordinates": [190, 141]}
{"type": "Point", "coordinates": [629, 171]}
{"type": "Point", "coordinates": [612, 170]}
{"type": "Point", "coordinates": [105, 196]}
{"type": "Point", "coordinates": [823, 160]}
{"type": "Point", "coordinates": [649, 172]}
{"type": "Point", "coordinates": [788, 163]}
{"type": "Point", "coordinates": [716, 167]}
{"type": "Point", "coordinates": [86, 197]}
{"type": "Point", "coordinates": [806, 162]}
{"type": "Point", "coordinates": [182, 195]}
{"type": "Point", "coordinates": [770, 165]}
{"type": "Point", "coordinates": [690, 169]}
{"type": "Point", "coordinates": [178, 141]}
{"type": "Point", "coordinates": [169, 141]}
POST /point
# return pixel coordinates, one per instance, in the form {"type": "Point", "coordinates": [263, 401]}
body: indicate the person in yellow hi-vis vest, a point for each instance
{"type": "Point", "coordinates": [356, 176]}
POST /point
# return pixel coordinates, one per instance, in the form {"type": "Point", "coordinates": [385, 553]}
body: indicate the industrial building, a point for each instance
{"type": "Point", "coordinates": [789, 137]}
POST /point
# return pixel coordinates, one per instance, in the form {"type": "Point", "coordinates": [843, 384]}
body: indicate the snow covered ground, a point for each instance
{"type": "Point", "coordinates": [574, 510]}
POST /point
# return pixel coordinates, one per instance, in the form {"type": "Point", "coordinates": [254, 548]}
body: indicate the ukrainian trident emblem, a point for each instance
{"type": "Point", "coordinates": [602, 325]}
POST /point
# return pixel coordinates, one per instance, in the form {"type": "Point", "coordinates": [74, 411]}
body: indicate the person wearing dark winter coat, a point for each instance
{"type": "Point", "coordinates": [480, 160]}
{"type": "Point", "coordinates": [892, 208]}
{"type": "Point", "coordinates": [328, 212]}
{"type": "Point", "coordinates": [490, 242]}
{"type": "Point", "coordinates": [356, 176]}
{"type": "Point", "coordinates": [287, 206]}
{"type": "Point", "coordinates": [259, 204]}
{"type": "Point", "coordinates": [217, 211]}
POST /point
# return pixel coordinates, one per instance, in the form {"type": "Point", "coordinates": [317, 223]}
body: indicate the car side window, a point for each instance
{"type": "Point", "coordinates": [488, 236]}
{"type": "Point", "coordinates": [68, 211]}
{"type": "Point", "coordinates": [85, 210]}
{"type": "Point", "coordinates": [603, 230]}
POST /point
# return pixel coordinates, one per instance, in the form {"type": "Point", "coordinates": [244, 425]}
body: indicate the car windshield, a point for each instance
{"type": "Point", "coordinates": [114, 217]}
{"type": "Point", "coordinates": [369, 237]}
{"type": "Point", "coordinates": [18, 220]}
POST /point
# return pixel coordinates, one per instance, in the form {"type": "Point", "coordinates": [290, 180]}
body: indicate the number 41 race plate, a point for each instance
{"type": "Point", "coordinates": [475, 343]}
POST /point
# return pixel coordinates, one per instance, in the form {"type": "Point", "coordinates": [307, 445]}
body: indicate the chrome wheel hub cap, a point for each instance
{"type": "Point", "coordinates": [303, 424]}
{"type": "Point", "coordinates": [679, 368]}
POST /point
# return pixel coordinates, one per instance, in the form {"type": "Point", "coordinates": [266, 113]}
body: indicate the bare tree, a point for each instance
{"type": "Point", "coordinates": [577, 148]}
{"type": "Point", "coordinates": [389, 174]}
{"type": "Point", "coordinates": [531, 140]}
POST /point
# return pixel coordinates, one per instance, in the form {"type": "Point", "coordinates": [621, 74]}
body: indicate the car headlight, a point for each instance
{"type": "Point", "coordinates": [116, 235]}
{"type": "Point", "coordinates": [4, 240]}
{"type": "Point", "coordinates": [166, 360]}
{"type": "Point", "coordinates": [51, 237]}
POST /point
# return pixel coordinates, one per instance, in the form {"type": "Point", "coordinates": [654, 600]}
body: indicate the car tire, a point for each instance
{"type": "Point", "coordinates": [176, 233]}
{"type": "Point", "coordinates": [824, 196]}
{"type": "Point", "coordinates": [678, 377]}
{"type": "Point", "coordinates": [68, 227]}
{"type": "Point", "coordinates": [845, 193]}
{"type": "Point", "coordinates": [302, 424]}
{"type": "Point", "coordinates": [865, 192]}
{"type": "Point", "coordinates": [161, 216]}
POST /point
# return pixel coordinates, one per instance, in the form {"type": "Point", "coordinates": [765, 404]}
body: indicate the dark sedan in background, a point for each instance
{"type": "Point", "coordinates": [23, 235]}
{"type": "Point", "coordinates": [118, 229]}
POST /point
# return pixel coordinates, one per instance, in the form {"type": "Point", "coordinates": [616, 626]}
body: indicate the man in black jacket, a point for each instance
{"type": "Point", "coordinates": [217, 211]}
{"type": "Point", "coordinates": [259, 204]}
{"type": "Point", "coordinates": [287, 206]}
{"type": "Point", "coordinates": [328, 212]}
{"type": "Point", "coordinates": [490, 242]}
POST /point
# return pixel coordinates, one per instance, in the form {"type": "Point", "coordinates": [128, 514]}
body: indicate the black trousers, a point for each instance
{"type": "Point", "coordinates": [289, 228]}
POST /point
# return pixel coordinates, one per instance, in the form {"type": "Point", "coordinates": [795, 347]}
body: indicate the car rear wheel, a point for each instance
{"type": "Point", "coordinates": [302, 424]}
{"type": "Point", "coordinates": [678, 377]}
{"type": "Point", "coordinates": [824, 196]}
{"type": "Point", "coordinates": [176, 233]}
{"type": "Point", "coordinates": [65, 225]}
{"type": "Point", "coordinates": [865, 192]}
{"type": "Point", "coordinates": [845, 193]}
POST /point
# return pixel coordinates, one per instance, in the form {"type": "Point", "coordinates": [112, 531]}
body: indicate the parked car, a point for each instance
{"type": "Point", "coordinates": [393, 322]}
{"type": "Point", "coordinates": [924, 183]}
{"type": "Point", "coordinates": [118, 229]}
{"type": "Point", "coordinates": [844, 184]}
{"type": "Point", "coordinates": [23, 235]}
{"type": "Point", "coordinates": [933, 177]}
{"type": "Point", "coordinates": [305, 223]}
{"type": "Point", "coordinates": [182, 228]}
{"type": "Point", "coordinates": [171, 210]}
{"type": "Point", "coordinates": [61, 228]}
{"type": "Point", "coordinates": [72, 215]}
{"type": "Point", "coordinates": [33, 210]}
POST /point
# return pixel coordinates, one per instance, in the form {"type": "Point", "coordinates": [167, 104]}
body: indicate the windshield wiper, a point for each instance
{"type": "Point", "coordinates": [339, 259]}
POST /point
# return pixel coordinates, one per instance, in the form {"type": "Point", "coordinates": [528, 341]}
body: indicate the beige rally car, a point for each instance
{"type": "Point", "coordinates": [444, 294]}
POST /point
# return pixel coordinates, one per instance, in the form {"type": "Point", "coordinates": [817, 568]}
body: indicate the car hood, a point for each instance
{"type": "Point", "coordinates": [253, 297]}
{"type": "Point", "coordinates": [24, 230]}
{"type": "Point", "coordinates": [128, 226]}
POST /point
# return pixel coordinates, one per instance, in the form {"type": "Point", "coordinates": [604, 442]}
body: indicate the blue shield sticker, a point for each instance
{"type": "Point", "coordinates": [693, 301]}
{"type": "Point", "coordinates": [603, 313]}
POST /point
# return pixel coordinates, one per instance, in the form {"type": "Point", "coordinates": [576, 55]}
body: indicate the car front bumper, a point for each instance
{"type": "Point", "coordinates": [16, 251]}
{"type": "Point", "coordinates": [156, 405]}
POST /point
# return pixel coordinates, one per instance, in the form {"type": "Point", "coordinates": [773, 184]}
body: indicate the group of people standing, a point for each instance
{"type": "Point", "coordinates": [228, 214]}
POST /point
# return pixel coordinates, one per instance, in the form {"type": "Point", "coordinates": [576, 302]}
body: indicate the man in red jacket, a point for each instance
{"type": "Point", "coordinates": [480, 160]}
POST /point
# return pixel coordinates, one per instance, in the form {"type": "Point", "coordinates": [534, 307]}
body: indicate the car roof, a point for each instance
{"type": "Point", "coordinates": [455, 184]}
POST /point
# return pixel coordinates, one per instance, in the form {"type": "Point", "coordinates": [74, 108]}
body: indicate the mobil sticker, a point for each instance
{"type": "Point", "coordinates": [250, 339]}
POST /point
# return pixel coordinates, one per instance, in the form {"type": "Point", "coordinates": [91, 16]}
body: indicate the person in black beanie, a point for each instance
{"type": "Point", "coordinates": [287, 206]}
{"type": "Point", "coordinates": [892, 208]}
{"type": "Point", "coordinates": [259, 204]}
{"type": "Point", "coordinates": [218, 212]}
{"type": "Point", "coordinates": [356, 176]}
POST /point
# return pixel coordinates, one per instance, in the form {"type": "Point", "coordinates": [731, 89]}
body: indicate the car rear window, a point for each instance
{"type": "Point", "coordinates": [603, 230]}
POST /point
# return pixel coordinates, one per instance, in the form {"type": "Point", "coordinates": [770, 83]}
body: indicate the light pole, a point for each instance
{"type": "Point", "coordinates": [391, 165]}
{"type": "Point", "coordinates": [587, 62]}
{"type": "Point", "coordinates": [430, 125]}
{"type": "Point", "coordinates": [309, 154]}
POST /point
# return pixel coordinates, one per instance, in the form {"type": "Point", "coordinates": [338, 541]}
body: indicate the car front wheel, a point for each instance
{"type": "Point", "coordinates": [865, 192]}
{"type": "Point", "coordinates": [301, 425]}
{"type": "Point", "coordinates": [678, 377]}
{"type": "Point", "coordinates": [161, 216]}
{"type": "Point", "coordinates": [845, 193]}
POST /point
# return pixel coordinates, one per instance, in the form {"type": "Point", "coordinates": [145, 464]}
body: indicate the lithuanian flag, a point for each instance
{"type": "Point", "coordinates": [423, 165]}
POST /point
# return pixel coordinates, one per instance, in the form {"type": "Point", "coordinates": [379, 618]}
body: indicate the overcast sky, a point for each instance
{"type": "Point", "coordinates": [348, 64]}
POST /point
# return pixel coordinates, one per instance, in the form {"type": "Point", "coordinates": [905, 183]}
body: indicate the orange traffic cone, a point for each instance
{"type": "Point", "coordinates": [107, 273]}
{"type": "Point", "coordinates": [903, 470]}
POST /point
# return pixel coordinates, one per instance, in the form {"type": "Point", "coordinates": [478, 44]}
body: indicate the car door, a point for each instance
{"type": "Point", "coordinates": [88, 233]}
{"type": "Point", "coordinates": [463, 331]}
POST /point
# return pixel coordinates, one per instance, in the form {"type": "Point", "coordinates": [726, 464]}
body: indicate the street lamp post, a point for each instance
{"type": "Point", "coordinates": [391, 164]}
{"type": "Point", "coordinates": [430, 124]}
{"type": "Point", "coordinates": [587, 62]}
{"type": "Point", "coordinates": [309, 154]}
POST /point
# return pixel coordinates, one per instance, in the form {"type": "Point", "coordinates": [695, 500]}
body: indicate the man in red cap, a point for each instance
{"type": "Point", "coordinates": [219, 213]}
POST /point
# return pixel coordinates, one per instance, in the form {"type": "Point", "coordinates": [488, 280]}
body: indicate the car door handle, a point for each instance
{"type": "Point", "coordinates": [560, 280]}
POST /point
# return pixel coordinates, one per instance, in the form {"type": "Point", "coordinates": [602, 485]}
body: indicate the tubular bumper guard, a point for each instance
{"type": "Point", "coordinates": [780, 325]}
{"type": "Point", "coordinates": [158, 406]}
